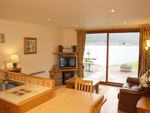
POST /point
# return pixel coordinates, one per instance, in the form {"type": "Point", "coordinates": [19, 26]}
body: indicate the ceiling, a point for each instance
{"type": "Point", "coordinates": [83, 13]}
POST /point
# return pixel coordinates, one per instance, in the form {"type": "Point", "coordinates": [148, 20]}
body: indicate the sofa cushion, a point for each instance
{"type": "Point", "coordinates": [146, 75]}
{"type": "Point", "coordinates": [130, 86]}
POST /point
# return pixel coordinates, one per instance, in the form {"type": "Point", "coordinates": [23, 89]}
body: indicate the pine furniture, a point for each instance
{"type": "Point", "coordinates": [68, 101]}
{"type": "Point", "coordinates": [16, 70]}
{"type": "Point", "coordinates": [39, 91]}
{"type": "Point", "coordinates": [96, 107]}
{"type": "Point", "coordinates": [70, 83]}
{"type": "Point", "coordinates": [143, 105]}
{"type": "Point", "coordinates": [83, 85]}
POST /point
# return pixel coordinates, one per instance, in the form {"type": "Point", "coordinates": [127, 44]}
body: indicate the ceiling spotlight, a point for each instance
{"type": "Point", "coordinates": [76, 25]}
{"type": "Point", "coordinates": [48, 19]}
{"type": "Point", "coordinates": [124, 22]}
{"type": "Point", "coordinates": [112, 10]}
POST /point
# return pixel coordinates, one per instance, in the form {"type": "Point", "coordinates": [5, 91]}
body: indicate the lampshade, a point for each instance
{"type": "Point", "coordinates": [14, 58]}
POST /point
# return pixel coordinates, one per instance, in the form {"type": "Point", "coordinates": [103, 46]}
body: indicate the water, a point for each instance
{"type": "Point", "coordinates": [117, 54]}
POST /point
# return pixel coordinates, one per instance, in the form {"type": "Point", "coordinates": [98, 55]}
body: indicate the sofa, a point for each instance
{"type": "Point", "coordinates": [129, 95]}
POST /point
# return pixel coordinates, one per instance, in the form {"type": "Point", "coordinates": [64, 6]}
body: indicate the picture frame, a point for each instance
{"type": "Point", "coordinates": [2, 38]}
{"type": "Point", "coordinates": [30, 45]}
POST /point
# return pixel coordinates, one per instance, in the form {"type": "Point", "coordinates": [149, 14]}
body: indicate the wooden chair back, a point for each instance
{"type": "Point", "coordinates": [83, 85]}
{"type": "Point", "coordinates": [96, 107]}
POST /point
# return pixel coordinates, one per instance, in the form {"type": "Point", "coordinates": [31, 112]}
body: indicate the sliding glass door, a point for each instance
{"type": "Point", "coordinates": [111, 57]}
{"type": "Point", "coordinates": [95, 56]}
{"type": "Point", "coordinates": [123, 56]}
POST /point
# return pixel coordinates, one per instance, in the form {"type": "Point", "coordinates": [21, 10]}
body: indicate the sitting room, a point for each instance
{"type": "Point", "coordinates": [80, 57]}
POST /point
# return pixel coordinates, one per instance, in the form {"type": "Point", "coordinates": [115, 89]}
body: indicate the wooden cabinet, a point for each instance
{"type": "Point", "coordinates": [65, 53]}
{"type": "Point", "coordinates": [6, 107]}
{"type": "Point", "coordinates": [143, 105]}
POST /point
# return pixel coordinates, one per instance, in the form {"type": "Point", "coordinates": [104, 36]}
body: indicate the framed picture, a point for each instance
{"type": "Point", "coordinates": [30, 45]}
{"type": "Point", "coordinates": [2, 38]}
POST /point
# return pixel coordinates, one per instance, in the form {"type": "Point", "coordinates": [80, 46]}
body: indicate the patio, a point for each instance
{"type": "Point", "coordinates": [115, 75]}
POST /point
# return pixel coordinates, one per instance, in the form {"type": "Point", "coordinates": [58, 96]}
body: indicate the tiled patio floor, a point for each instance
{"type": "Point", "coordinates": [115, 75]}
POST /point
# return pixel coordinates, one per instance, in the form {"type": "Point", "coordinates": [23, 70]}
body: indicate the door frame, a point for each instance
{"type": "Point", "coordinates": [108, 31]}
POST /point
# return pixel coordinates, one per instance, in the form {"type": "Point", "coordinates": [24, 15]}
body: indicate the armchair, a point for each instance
{"type": "Point", "coordinates": [129, 95]}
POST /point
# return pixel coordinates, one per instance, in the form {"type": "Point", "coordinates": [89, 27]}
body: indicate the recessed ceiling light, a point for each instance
{"type": "Point", "coordinates": [48, 19]}
{"type": "Point", "coordinates": [76, 25]}
{"type": "Point", "coordinates": [124, 22]}
{"type": "Point", "coordinates": [112, 10]}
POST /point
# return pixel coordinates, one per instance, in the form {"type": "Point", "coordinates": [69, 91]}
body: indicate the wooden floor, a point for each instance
{"type": "Point", "coordinates": [112, 101]}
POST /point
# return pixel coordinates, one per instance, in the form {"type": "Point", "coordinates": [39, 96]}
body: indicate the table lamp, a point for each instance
{"type": "Point", "coordinates": [15, 59]}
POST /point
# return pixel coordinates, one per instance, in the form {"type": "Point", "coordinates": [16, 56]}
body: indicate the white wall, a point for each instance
{"type": "Point", "coordinates": [69, 37]}
{"type": "Point", "coordinates": [48, 39]}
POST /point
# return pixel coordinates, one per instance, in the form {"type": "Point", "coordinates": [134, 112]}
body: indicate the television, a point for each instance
{"type": "Point", "coordinates": [67, 62]}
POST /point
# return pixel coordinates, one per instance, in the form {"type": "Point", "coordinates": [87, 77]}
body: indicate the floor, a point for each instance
{"type": "Point", "coordinates": [111, 104]}
{"type": "Point", "coordinates": [111, 94]}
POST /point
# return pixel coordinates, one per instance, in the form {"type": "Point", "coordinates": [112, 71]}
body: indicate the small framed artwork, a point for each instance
{"type": "Point", "coordinates": [30, 45]}
{"type": "Point", "coordinates": [2, 38]}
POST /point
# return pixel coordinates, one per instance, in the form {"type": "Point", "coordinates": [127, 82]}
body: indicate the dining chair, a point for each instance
{"type": "Point", "coordinates": [83, 85]}
{"type": "Point", "coordinates": [96, 107]}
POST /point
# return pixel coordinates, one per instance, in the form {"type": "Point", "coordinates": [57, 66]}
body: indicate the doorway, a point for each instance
{"type": "Point", "coordinates": [111, 57]}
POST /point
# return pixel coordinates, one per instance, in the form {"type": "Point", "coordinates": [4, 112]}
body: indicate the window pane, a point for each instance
{"type": "Point", "coordinates": [123, 56]}
{"type": "Point", "coordinates": [95, 56]}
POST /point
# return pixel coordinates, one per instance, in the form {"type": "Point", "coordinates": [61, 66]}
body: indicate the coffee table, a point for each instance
{"type": "Point", "coordinates": [70, 83]}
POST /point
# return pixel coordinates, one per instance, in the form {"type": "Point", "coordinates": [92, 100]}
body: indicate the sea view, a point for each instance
{"type": "Point", "coordinates": [117, 54]}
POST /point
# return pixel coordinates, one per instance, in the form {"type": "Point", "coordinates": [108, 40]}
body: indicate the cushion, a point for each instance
{"type": "Point", "coordinates": [130, 86]}
{"type": "Point", "coordinates": [146, 75]}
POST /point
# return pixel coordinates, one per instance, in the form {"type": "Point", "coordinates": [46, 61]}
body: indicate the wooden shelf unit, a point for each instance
{"type": "Point", "coordinates": [65, 53]}
{"type": "Point", "coordinates": [59, 75]}
{"type": "Point", "coordinates": [62, 70]}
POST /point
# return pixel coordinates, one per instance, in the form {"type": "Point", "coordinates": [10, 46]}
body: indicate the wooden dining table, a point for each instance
{"type": "Point", "coordinates": [67, 101]}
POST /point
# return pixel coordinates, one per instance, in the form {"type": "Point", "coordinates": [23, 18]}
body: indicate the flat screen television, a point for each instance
{"type": "Point", "coordinates": [67, 62]}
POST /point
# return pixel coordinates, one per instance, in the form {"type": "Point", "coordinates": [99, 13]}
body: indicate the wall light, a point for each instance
{"type": "Point", "coordinates": [148, 43]}
{"type": "Point", "coordinates": [146, 48]}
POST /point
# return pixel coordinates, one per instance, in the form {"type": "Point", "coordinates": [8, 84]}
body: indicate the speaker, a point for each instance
{"type": "Point", "coordinates": [74, 48]}
{"type": "Point", "coordinates": [60, 48]}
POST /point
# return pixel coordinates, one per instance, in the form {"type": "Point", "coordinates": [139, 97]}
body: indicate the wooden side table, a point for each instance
{"type": "Point", "coordinates": [16, 70]}
{"type": "Point", "coordinates": [143, 105]}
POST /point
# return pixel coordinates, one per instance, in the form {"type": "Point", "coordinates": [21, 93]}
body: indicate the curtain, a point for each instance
{"type": "Point", "coordinates": [81, 38]}
{"type": "Point", "coordinates": [144, 59]}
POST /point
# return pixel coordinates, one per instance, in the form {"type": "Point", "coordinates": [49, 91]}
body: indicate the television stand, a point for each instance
{"type": "Point", "coordinates": [60, 75]}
